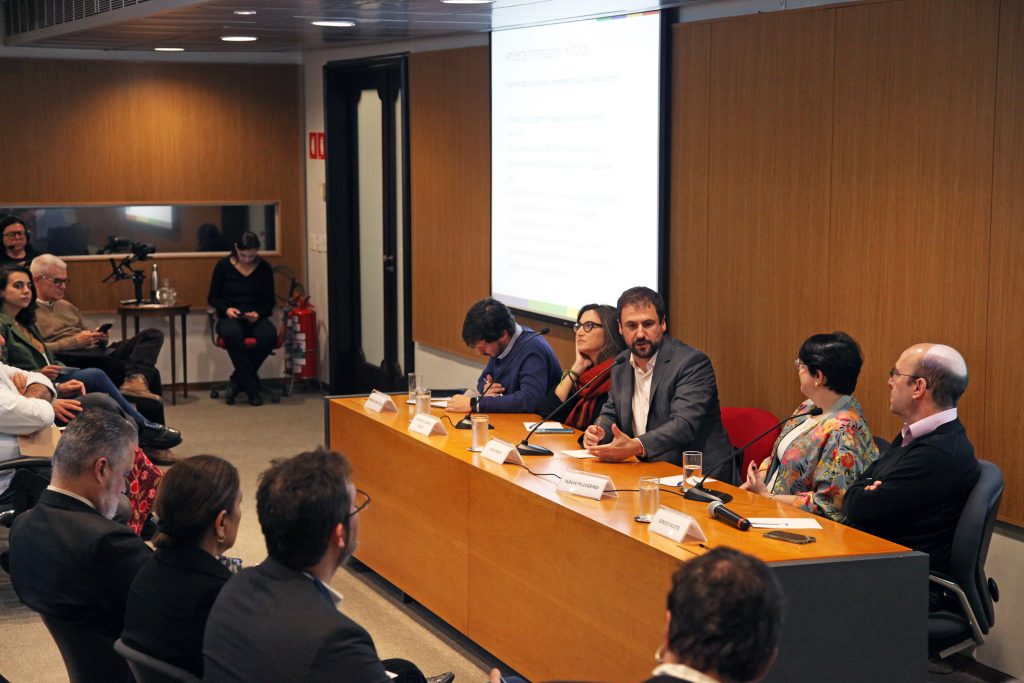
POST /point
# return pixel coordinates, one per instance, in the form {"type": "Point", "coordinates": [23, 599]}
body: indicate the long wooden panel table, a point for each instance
{"type": "Point", "coordinates": [564, 587]}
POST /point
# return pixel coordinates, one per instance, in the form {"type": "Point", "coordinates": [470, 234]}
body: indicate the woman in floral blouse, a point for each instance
{"type": "Point", "coordinates": [816, 458]}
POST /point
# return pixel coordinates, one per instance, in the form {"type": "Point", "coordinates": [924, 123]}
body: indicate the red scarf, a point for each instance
{"type": "Point", "coordinates": [585, 410]}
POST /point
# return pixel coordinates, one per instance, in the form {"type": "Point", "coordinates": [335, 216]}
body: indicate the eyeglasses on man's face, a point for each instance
{"type": "Point", "coordinates": [588, 326]}
{"type": "Point", "coordinates": [894, 373]}
{"type": "Point", "coordinates": [57, 281]}
{"type": "Point", "coordinates": [361, 500]}
{"type": "Point", "coordinates": [15, 234]}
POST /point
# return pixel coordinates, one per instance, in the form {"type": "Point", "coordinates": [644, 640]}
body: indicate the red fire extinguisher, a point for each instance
{"type": "Point", "coordinates": [301, 340]}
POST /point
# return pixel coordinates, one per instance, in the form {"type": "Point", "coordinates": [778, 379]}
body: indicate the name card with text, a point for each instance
{"type": "Point", "coordinates": [427, 425]}
{"type": "Point", "coordinates": [379, 402]}
{"type": "Point", "coordinates": [586, 484]}
{"type": "Point", "coordinates": [500, 452]}
{"type": "Point", "coordinates": [676, 525]}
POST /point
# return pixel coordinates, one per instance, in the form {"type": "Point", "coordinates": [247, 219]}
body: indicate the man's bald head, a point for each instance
{"type": "Point", "coordinates": [943, 369]}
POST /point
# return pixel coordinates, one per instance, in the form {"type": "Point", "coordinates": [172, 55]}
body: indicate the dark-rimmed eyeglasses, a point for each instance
{"type": "Point", "coordinates": [588, 326]}
{"type": "Point", "coordinates": [361, 501]}
{"type": "Point", "coordinates": [57, 281]}
{"type": "Point", "coordinates": [893, 374]}
{"type": "Point", "coordinates": [15, 233]}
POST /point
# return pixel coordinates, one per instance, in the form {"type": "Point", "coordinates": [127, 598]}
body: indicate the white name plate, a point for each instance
{"type": "Point", "coordinates": [427, 425]}
{"type": "Point", "coordinates": [501, 452]}
{"type": "Point", "coordinates": [676, 525]}
{"type": "Point", "coordinates": [586, 484]}
{"type": "Point", "coordinates": [379, 402]}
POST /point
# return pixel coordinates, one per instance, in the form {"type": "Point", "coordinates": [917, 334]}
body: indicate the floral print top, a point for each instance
{"type": "Point", "coordinates": [821, 463]}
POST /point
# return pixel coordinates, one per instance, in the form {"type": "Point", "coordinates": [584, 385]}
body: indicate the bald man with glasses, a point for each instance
{"type": "Point", "coordinates": [916, 490]}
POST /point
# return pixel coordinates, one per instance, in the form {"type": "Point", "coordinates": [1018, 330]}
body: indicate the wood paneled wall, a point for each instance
{"type": "Point", "coordinates": [77, 132]}
{"type": "Point", "coordinates": [857, 167]}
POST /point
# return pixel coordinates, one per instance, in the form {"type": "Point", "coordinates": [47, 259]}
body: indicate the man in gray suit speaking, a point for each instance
{"type": "Point", "coordinates": [665, 400]}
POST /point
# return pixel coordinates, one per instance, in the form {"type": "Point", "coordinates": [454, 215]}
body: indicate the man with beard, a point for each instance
{"type": "Point", "coordinates": [279, 621]}
{"type": "Point", "coordinates": [664, 401]}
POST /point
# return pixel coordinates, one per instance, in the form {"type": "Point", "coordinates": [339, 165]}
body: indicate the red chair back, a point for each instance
{"type": "Point", "coordinates": [742, 425]}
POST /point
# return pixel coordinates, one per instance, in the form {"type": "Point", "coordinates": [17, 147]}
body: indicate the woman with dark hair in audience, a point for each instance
{"type": "Point", "coordinates": [242, 292]}
{"type": "Point", "coordinates": [815, 459]}
{"type": "Point", "coordinates": [26, 350]}
{"type": "Point", "coordinates": [16, 246]}
{"type": "Point", "coordinates": [597, 343]}
{"type": "Point", "coordinates": [199, 509]}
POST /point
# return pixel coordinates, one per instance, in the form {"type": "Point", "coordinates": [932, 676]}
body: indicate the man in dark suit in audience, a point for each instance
{"type": "Point", "coordinates": [665, 400]}
{"type": "Point", "coordinates": [914, 493]}
{"type": "Point", "coordinates": [68, 558]}
{"type": "Point", "coordinates": [279, 621]}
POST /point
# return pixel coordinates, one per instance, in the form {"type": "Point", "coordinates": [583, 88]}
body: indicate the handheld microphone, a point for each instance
{"type": "Point", "coordinates": [525, 448]}
{"type": "Point", "coordinates": [717, 509]}
{"type": "Point", "coordinates": [705, 495]}
{"type": "Point", "coordinates": [464, 423]}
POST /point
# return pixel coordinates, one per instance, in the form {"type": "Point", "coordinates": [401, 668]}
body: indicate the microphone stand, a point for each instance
{"type": "Point", "coordinates": [526, 448]}
{"type": "Point", "coordinates": [705, 495]}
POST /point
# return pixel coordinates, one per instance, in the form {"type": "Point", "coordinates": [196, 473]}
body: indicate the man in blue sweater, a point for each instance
{"type": "Point", "coordinates": [521, 369]}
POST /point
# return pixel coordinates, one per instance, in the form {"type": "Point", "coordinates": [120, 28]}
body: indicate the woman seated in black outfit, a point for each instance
{"type": "Point", "coordinates": [199, 508]}
{"type": "Point", "coordinates": [597, 343]}
{"type": "Point", "coordinates": [242, 292]}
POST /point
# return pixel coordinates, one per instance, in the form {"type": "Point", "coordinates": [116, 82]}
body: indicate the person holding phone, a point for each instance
{"type": "Point", "coordinates": [130, 363]}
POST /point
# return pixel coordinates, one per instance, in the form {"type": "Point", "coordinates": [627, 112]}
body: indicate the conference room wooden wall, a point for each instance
{"type": "Point", "coordinates": [855, 167]}
{"type": "Point", "coordinates": [95, 132]}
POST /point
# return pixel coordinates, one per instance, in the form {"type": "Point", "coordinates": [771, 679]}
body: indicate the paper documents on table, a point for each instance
{"type": "Point", "coordinates": [784, 523]}
{"type": "Point", "coordinates": [677, 480]}
{"type": "Point", "coordinates": [549, 428]}
{"type": "Point", "coordinates": [581, 453]}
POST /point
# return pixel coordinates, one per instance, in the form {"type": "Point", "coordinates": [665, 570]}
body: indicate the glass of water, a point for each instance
{"type": "Point", "coordinates": [650, 493]}
{"type": "Point", "coordinates": [423, 401]}
{"type": "Point", "coordinates": [480, 436]}
{"type": "Point", "coordinates": [415, 382]}
{"type": "Point", "coordinates": [692, 462]}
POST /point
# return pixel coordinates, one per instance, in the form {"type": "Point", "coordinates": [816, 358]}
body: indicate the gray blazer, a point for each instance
{"type": "Point", "coordinates": [684, 413]}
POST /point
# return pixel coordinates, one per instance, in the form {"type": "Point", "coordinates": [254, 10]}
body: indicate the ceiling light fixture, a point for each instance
{"type": "Point", "coordinates": [245, 12]}
{"type": "Point", "coordinates": [238, 39]}
{"type": "Point", "coordinates": [168, 49]}
{"type": "Point", "coordinates": [334, 24]}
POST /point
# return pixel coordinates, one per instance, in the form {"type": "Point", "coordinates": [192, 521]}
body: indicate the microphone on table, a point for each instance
{"type": "Point", "coordinates": [464, 423]}
{"type": "Point", "coordinates": [525, 448]}
{"type": "Point", "coordinates": [717, 509]}
{"type": "Point", "coordinates": [704, 495]}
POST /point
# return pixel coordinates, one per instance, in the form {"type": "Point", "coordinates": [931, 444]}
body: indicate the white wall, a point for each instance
{"type": "Point", "coordinates": [1003, 649]}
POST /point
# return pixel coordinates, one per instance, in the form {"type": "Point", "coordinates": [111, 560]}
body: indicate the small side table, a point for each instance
{"type": "Point", "coordinates": [180, 309]}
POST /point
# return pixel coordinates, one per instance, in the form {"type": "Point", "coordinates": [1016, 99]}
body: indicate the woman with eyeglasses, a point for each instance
{"type": "Point", "coordinates": [199, 508]}
{"type": "Point", "coordinates": [16, 247]}
{"type": "Point", "coordinates": [597, 343]}
{"type": "Point", "coordinates": [816, 458]}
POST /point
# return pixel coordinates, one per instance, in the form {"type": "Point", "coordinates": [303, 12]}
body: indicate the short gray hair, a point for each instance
{"type": "Point", "coordinates": [42, 263]}
{"type": "Point", "coordinates": [94, 434]}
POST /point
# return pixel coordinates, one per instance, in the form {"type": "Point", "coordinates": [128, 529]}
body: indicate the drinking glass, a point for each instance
{"type": "Point", "coordinates": [650, 493]}
{"type": "Point", "coordinates": [423, 401]}
{"type": "Point", "coordinates": [480, 428]}
{"type": "Point", "coordinates": [692, 461]}
{"type": "Point", "coordinates": [415, 382]}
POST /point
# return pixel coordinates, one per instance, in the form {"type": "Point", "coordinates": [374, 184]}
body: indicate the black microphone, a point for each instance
{"type": "Point", "coordinates": [525, 448]}
{"type": "Point", "coordinates": [717, 509]}
{"type": "Point", "coordinates": [704, 495]}
{"type": "Point", "coordinates": [464, 423]}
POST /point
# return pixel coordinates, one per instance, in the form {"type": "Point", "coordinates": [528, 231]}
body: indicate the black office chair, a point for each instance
{"type": "Point", "coordinates": [88, 656]}
{"type": "Point", "coordinates": [148, 669]}
{"type": "Point", "coordinates": [964, 625]}
{"type": "Point", "coordinates": [30, 494]}
{"type": "Point", "coordinates": [882, 444]}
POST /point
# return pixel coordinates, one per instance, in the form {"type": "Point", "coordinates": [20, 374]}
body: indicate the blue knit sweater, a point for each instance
{"type": "Point", "coordinates": [528, 372]}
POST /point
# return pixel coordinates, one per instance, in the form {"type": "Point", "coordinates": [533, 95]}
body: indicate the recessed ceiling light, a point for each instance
{"type": "Point", "coordinates": [245, 12]}
{"type": "Point", "coordinates": [238, 39]}
{"type": "Point", "coordinates": [467, 2]}
{"type": "Point", "coordinates": [334, 24]}
{"type": "Point", "coordinates": [168, 49]}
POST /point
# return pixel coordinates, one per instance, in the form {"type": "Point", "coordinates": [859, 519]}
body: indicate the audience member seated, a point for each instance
{"type": "Point", "coordinates": [521, 367]}
{"type": "Point", "coordinates": [279, 621]}
{"type": "Point", "coordinates": [209, 238]}
{"type": "Point", "coordinates": [664, 400]}
{"type": "Point", "coordinates": [25, 408]}
{"type": "Point", "coordinates": [914, 493]}
{"type": "Point", "coordinates": [26, 350]}
{"type": "Point", "coordinates": [597, 343]}
{"type": "Point", "coordinates": [815, 459]}
{"type": "Point", "coordinates": [242, 293]}
{"type": "Point", "coordinates": [199, 507]}
{"type": "Point", "coordinates": [16, 247]}
{"type": "Point", "coordinates": [68, 559]}
{"type": "Point", "coordinates": [131, 362]}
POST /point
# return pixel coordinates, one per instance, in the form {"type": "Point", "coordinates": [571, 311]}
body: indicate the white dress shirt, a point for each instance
{"type": "Point", "coordinates": [642, 393]}
{"type": "Point", "coordinates": [20, 415]}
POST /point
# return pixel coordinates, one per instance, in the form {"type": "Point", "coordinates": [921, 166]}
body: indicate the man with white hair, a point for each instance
{"type": "Point", "coordinates": [132, 362]}
{"type": "Point", "coordinates": [914, 493]}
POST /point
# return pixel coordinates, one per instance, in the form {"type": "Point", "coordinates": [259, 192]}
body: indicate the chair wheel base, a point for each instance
{"type": "Point", "coordinates": [214, 393]}
{"type": "Point", "coordinates": [230, 400]}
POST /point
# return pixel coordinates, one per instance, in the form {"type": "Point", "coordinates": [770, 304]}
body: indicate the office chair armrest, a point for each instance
{"type": "Point", "coordinates": [25, 461]}
{"type": "Point", "coordinates": [965, 605]}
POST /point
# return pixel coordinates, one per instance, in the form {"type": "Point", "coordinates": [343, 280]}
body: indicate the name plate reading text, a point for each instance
{"type": "Point", "coordinates": [587, 484]}
{"type": "Point", "coordinates": [501, 452]}
{"type": "Point", "coordinates": [379, 402]}
{"type": "Point", "coordinates": [676, 525]}
{"type": "Point", "coordinates": [427, 425]}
